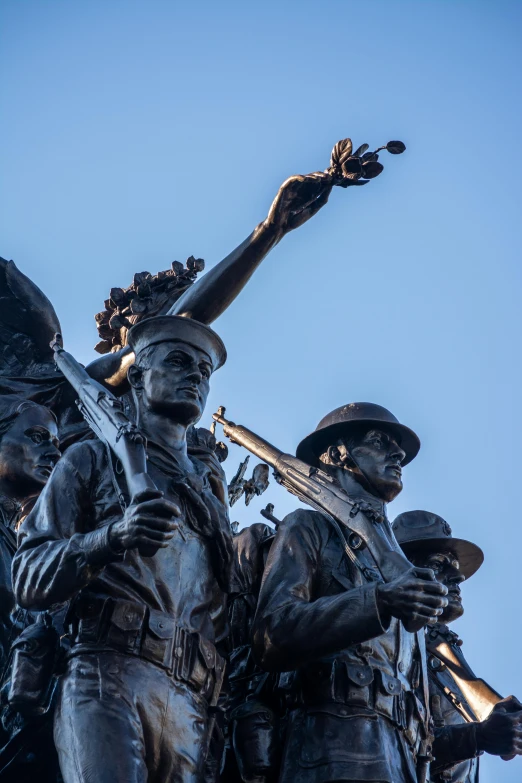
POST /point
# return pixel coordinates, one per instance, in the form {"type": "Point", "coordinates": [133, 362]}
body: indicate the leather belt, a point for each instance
{"type": "Point", "coordinates": [359, 686]}
{"type": "Point", "coordinates": [134, 629]}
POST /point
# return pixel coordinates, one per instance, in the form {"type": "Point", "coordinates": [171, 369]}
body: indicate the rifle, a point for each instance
{"type": "Point", "coordinates": [320, 491]}
{"type": "Point", "coordinates": [481, 697]}
{"type": "Point", "coordinates": [105, 415]}
{"type": "Point", "coordinates": [444, 645]}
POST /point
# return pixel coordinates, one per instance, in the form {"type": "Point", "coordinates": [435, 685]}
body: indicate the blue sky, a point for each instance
{"type": "Point", "coordinates": [136, 133]}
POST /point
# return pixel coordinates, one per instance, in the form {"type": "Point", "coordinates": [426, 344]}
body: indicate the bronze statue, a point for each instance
{"type": "Point", "coordinates": [29, 449]}
{"type": "Point", "coordinates": [28, 452]}
{"type": "Point", "coordinates": [360, 708]}
{"type": "Point", "coordinates": [461, 733]}
{"type": "Point", "coordinates": [144, 666]}
{"type": "Point", "coordinates": [255, 701]}
{"type": "Point", "coordinates": [299, 198]}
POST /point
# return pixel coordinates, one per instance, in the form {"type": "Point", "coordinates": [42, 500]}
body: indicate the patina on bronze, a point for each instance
{"type": "Point", "coordinates": [145, 662]}
{"type": "Point", "coordinates": [360, 706]}
{"type": "Point", "coordinates": [144, 627]}
{"type": "Point", "coordinates": [29, 449]}
{"type": "Point", "coordinates": [461, 731]}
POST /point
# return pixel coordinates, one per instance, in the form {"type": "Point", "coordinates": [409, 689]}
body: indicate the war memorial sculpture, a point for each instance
{"type": "Point", "coordinates": [146, 638]}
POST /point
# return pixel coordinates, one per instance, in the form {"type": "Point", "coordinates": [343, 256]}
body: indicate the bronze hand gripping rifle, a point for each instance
{"type": "Point", "coordinates": [319, 490]}
{"type": "Point", "coordinates": [105, 415]}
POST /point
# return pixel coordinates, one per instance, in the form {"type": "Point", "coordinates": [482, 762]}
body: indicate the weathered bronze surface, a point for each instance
{"type": "Point", "coordinates": [470, 717]}
{"type": "Point", "coordinates": [158, 641]}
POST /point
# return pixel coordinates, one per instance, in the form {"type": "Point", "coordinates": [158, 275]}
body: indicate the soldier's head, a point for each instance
{"type": "Point", "coordinates": [175, 358]}
{"type": "Point", "coordinates": [427, 541]}
{"type": "Point", "coordinates": [29, 447]}
{"type": "Point", "coordinates": [366, 441]}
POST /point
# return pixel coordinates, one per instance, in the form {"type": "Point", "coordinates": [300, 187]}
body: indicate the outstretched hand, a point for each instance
{"type": "Point", "coordinates": [299, 198]}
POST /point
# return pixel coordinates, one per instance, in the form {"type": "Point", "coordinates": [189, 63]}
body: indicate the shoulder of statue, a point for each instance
{"type": "Point", "coordinates": [86, 460]}
{"type": "Point", "coordinates": [306, 524]}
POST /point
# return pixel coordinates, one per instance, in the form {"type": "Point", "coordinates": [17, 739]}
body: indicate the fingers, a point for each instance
{"type": "Point", "coordinates": [158, 524]}
{"type": "Point", "coordinates": [428, 574]}
{"type": "Point", "coordinates": [146, 494]}
{"type": "Point", "coordinates": [149, 539]}
{"type": "Point", "coordinates": [158, 507]}
{"type": "Point", "coordinates": [509, 704]}
{"type": "Point", "coordinates": [301, 217]}
{"type": "Point", "coordinates": [423, 599]}
{"type": "Point", "coordinates": [425, 586]}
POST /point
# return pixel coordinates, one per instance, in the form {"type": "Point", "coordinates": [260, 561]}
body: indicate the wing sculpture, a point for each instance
{"type": "Point", "coordinates": [28, 322]}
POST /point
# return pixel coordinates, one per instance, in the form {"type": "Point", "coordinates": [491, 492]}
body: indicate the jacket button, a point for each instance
{"type": "Point", "coordinates": [343, 712]}
{"type": "Point", "coordinates": [160, 625]}
{"type": "Point", "coordinates": [178, 652]}
{"type": "Point", "coordinates": [401, 667]}
{"type": "Point", "coordinates": [360, 675]}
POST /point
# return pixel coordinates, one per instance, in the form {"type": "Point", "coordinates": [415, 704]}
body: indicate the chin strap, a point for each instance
{"type": "Point", "coordinates": [369, 486]}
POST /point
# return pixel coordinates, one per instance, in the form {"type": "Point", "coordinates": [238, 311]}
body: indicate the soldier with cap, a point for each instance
{"type": "Point", "coordinates": [428, 542]}
{"type": "Point", "coordinates": [146, 584]}
{"type": "Point", "coordinates": [360, 689]}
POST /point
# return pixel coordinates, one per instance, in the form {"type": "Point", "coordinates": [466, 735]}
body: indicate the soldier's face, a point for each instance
{"type": "Point", "coordinates": [177, 381]}
{"type": "Point", "coordinates": [447, 570]}
{"type": "Point", "coordinates": [378, 457]}
{"type": "Point", "coordinates": [28, 452]}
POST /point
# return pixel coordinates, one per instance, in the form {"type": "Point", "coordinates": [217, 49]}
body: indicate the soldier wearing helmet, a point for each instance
{"type": "Point", "coordinates": [462, 736]}
{"type": "Point", "coordinates": [359, 711]}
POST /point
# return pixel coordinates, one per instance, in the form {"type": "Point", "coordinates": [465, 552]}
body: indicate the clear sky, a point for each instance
{"type": "Point", "coordinates": [136, 133]}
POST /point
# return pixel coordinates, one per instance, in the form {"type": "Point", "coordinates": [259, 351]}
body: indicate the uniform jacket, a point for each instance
{"type": "Point", "coordinates": [317, 613]}
{"type": "Point", "coordinates": [64, 546]}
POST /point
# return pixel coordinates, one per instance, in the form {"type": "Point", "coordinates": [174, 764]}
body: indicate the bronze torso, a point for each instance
{"type": "Point", "coordinates": [357, 709]}
{"type": "Point", "coordinates": [177, 581]}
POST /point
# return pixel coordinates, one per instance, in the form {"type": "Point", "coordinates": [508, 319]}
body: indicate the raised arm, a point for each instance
{"type": "Point", "coordinates": [298, 199]}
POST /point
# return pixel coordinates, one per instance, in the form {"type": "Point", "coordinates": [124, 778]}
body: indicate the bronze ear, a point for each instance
{"type": "Point", "coordinates": [333, 456]}
{"type": "Point", "coordinates": [134, 376]}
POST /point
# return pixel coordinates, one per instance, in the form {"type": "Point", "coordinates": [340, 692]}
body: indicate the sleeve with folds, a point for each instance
{"type": "Point", "coordinates": [294, 625]}
{"type": "Point", "coordinates": [59, 549]}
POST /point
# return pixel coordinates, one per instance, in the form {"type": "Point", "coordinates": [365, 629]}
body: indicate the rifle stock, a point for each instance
{"type": "Point", "coordinates": [480, 696]}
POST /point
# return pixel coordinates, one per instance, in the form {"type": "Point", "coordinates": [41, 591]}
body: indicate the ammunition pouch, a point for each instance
{"type": "Point", "coordinates": [35, 656]}
{"type": "Point", "coordinates": [359, 689]}
{"type": "Point", "coordinates": [134, 629]}
{"type": "Point", "coordinates": [256, 740]}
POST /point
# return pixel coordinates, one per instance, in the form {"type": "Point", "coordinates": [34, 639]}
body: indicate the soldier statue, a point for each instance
{"type": "Point", "coordinates": [29, 449]}
{"type": "Point", "coordinates": [28, 452]}
{"type": "Point", "coordinates": [254, 703]}
{"type": "Point", "coordinates": [428, 542]}
{"type": "Point", "coordinates": [359, 702]}
{"type": "Point", "coordinates": [147, 587]}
